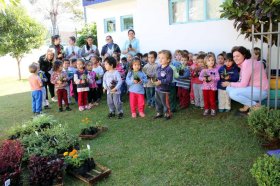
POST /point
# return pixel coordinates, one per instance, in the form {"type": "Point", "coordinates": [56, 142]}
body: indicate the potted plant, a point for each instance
{"type": "Point", "coordinates": [11, 153]}
{"type": "Point", "coordinates": [207, 77]}
{"type": "Point", "coordinates": [266, 170]}
{"type": "Point", "coordinates": [45, 170]}
{"type": "Point", "coordinates": [113, 84]}
{"type": "Point", "coordinates": [266, 124]}
{"type": "Point", "coordinates": [91, 132]}
{"type": "Point", "coordinates": [225, 75]}
{"type": "Point", "coordinates": [79, 162]}
{"type": "Point", "coordinates": [136, 77]}
{"type": "Point", "coordinates": [182, 70]}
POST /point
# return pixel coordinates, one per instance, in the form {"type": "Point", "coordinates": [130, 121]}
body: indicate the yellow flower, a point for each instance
{"type": "Point", "coordinates": [65, 154]}
{"type": "Point", "coordinates": [75, 156]}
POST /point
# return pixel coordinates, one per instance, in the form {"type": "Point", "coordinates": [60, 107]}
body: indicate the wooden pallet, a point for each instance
{"type": "Point", "coordinates": [89, 137]}
{"type": "Point", "coordinates": [100, 172]}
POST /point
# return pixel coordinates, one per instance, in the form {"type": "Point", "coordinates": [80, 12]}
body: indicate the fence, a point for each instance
{"type": "Point", "coordinates": [275, 78]}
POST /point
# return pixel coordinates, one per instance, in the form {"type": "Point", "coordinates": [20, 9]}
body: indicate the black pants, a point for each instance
{"type": "Point", "coordinates": [75, 91]}
{"type": "Point", "coordinates": [99, 91]}
{"type": "Point", "coordinates": [50, 85]}
{"type": "Point", "coordinates": [92, 95]}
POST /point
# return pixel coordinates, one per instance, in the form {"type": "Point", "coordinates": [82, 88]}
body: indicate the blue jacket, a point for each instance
{"type": "Point", "coordinates": [183, 80]}
{"type": "Point", "coordinates": [232, 72]}
{"type": "Point", "coordinates": [139, 87]}
{"type": "Point", "coordinates": [165, 75]}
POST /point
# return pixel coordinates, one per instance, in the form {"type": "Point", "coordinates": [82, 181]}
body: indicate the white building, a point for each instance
{"type": "Point", "coordinates": [193, 25]}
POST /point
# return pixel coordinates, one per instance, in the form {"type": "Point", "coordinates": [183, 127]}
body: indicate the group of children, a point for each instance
{"type": "Point", "coordinates": [189, 78]}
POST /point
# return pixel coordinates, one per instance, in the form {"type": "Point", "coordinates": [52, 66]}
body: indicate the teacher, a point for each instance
{"type": "Point", "coordinates": [241, 91]}
{"type": "Point", "coordinates": [131, 46]}
{"type": "Point", "coordinates": [110, 48]}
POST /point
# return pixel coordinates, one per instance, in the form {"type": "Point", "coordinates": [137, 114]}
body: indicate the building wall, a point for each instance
{"type": "Point", "coordinates": [151, 24]}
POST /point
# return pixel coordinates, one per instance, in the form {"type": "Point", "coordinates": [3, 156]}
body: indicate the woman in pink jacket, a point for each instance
{"type": "Point", "coordinates": [241, 91]}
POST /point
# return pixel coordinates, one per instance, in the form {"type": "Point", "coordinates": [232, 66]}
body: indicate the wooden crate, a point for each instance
{"type": "Point", "coordinates": [89, 137]}
{"type": "Point", "coordinates": [100, 172]}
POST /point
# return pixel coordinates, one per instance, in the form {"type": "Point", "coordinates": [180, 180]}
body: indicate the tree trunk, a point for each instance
{"type": "Point", "coordinates": [53, 15]}
{"type": "Point", "coordinates": [18, 63]}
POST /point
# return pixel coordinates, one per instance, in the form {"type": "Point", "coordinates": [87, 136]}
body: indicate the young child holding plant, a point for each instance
{"type": "Point", "coordinates": [81, 79]}
{"type": "Point", "coordinates": [35, 84]}
{"type": "Point", "coordinates": [70, 75]}
{"type": "Point", "coordinates": [135, 80]}
{"type": "Point", "coordinates": [150, 70]}
{"type": "Point", "coordinates": [210, 77]}
{"type": "Point", "coordinates": [112, 82]}
{"type": "Point", "coordinates": [99, 74]}
{"type": "Point", "coordinates": [228, 72]}
{"type": "Point", "coordinates": [92, 94]}
{"type": "Point", "coordinates": [164, 79]}
{"type": "Point", "coordinates": [59, 79]}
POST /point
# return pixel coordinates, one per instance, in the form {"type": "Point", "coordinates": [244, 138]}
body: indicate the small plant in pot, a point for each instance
{"type": "Point", "coordinates": [266, 170]}
{"type": "Point", "coordinates": [136, 77]}
{"type": "Point", "coordinates": [45, 170]}
{"type": "Point", "coordinates": [266, 124]}
{"type": "Point", "coordinates": [182, 71]}
{"type": "Point", "coordinates": [207, 77]}
{"type": "Point", "coordinates": [91, 132]}
{"type": "Point", "coordinates": [225, 75]}
{"type": "Point", "coordinates": [11, 153]}
{"type": "Point", "coordinates": [79, 162]}
{"type": "Point", "coordinates": [113, 84]}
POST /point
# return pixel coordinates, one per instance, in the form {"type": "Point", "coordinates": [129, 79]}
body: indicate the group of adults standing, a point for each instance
{"type": "Point", "coordinates": [240, 91]}
{"type": "Point", "coordinates": [57, 51]}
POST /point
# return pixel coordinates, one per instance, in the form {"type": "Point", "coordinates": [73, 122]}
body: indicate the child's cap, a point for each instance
{"type": "Point", "coordinates": [229, 56]}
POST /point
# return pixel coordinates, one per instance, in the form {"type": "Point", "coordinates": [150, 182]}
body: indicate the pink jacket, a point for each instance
{"type": "Point", "coordinates": [215, 77]}
{"type": "Point", "coordinates": [245, 79]}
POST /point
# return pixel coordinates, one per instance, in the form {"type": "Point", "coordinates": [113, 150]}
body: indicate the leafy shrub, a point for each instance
{"type": "Point", "coordinates": [11, 153]}
{"type": "Point", "coordinates": [43, 170]}
{"type": "Point", "coordinates": [266, 170]}
{"type": "Point", "coordinates": [265, 123]}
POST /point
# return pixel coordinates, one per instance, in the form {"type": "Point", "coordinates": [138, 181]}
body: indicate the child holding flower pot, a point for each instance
{"type": "Point", "coordinates": [59, 79]}
{"type": "Point", "coordinates": [136, 79]}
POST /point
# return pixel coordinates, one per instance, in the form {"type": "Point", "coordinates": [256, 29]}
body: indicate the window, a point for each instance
{"type": "Point", "coordinates": [182, 11]}
{"type": "Point", "coordinates": [126, 22]}
{"type": "Point", "coordinates": [109, 25]}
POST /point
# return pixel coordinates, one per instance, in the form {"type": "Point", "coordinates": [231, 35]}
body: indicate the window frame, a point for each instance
{"type": "Point", "coordinates": [205, 12]}
{"type": "Point", "coordinates": [122, 21]}
{"type": "Point", "coordinates": [106, 26]}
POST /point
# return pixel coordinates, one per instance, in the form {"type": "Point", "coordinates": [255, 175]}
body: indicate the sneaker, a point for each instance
{"type": "Point", "coordinates": [120, 116]}
{"type": "Point", "coordinates": [141, 114]}
{"type": "Point", "coordinates": [47, 107]}
{"type": "Point", "coordinates": [192, 102]}
{"type": "Point", "coordinates": [158, 116]}
{"type": "Point", "coordinates": [68, 109]}
{"type": "Point", "coordinates": [133, 115]}
{"type": "Point", "coordinates": [60, 109]}
{"type": "Point", "coordinates": [206, 112]}
{"type": "Point", "coordinates": [213, 112]}
{"type": "Point", "coordinates": [95, 104]}
{"type": "Point", "coordinates": [227, 110]}
{"type": "Point", "coordinates": [201, 108]}
{"type": "Point", "coordinates": [54, 100]}
{"type": "Point", "coordinates": [63, 103]}
{"type": "Point", "coordinates": [81, 108]}
{"type": "Point", "coordinates": [110, 115]}
{"type": "Point", "coordinates": [88, 107]}
{"type": "Point", "coordinates": [167, 116]}
{"type": "Point", "coordinates": [221, 110]}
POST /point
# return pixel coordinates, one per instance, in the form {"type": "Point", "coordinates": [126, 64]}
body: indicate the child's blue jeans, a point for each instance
{"type": "Point", "coordinates": [37, 101]}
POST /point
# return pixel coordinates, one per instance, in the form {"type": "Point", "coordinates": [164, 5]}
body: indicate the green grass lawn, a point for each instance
{"type": "Point", "coordinates": [187, 150]}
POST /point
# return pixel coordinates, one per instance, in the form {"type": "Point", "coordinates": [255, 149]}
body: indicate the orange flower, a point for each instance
{"type": "Point", "coordinates": [75, 156]}
{"type": "Point", "coordinates": [74, 151]}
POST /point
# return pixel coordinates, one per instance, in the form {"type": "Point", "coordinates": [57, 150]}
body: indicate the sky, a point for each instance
{"type": "Point", "coordinates": [64, 23]}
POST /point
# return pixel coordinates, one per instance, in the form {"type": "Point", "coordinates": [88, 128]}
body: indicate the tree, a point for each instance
{"type": "Point", "coordinates": [88, 30]}
{"type": "Point", "coordinates": [19, 34]}
{"type": "Point", "coordinates": [53, 8]}
{"type": "Point", "coordinates": [4, 4]}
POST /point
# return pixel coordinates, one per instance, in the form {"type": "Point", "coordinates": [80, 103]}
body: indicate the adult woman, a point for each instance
{"type": "Point", "coordinates": [46, 63]}
{"type": "Point", "coordinates": [89, 49]}
{"type": "Point", "coordinates": [72, 51]}
{"type": "Point", "coordinates": [109, 48]}
{"type": "Point", "coordinates": [131, 45]}
{"type": "Point", "coordinates": [59, 50]}
{"type": "Point", "coordinates": [241, 91]}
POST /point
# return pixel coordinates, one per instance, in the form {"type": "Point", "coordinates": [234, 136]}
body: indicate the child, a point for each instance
{"type": "Point", "coordinates": [135, 79]}
{"type": "Point", "coordinates": [122, 72]}
{"type": "Point", "coordinates": [145, 58]}
{"type": "Point", "coordinates": [44, 80]}
{"type": "Point", "coordinates": [210, 77]}
{"type": "Point", "coordinates": [70, 75]}
{"type": "Point", "coordinates": [99, 74]}
{"type": "Point", "coordinates": [92, 94]}
{"type": "Point", "coordinates": [112, 83]}
{"type": "Point", "coordinates": [35, 84]}
{"type": "Point", "coordinates": [81, 80]}
{"type": "Point", "coordinates": [164, 79]}
{"type": "Point", "coordinates": [183, 83]}
{"type": "Point", "coordinates": [220, 61]}
{"type": "Point", "coordinates": [192, 67]}
{"type": "Point", "coordinates": [73, 87]}
{"type": "Point", "coordinates": [228, 72]}
{"type": "Point", "coordinates": [257, 56]}
{"type": "Point", "coordinates": [197, 84]}
{"type": "Point", "coordinates": [129, 58]}
{"type": "Point", "coordinates": [150, 70]}
{"type": "Point", "coordinates": [59, 79]}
